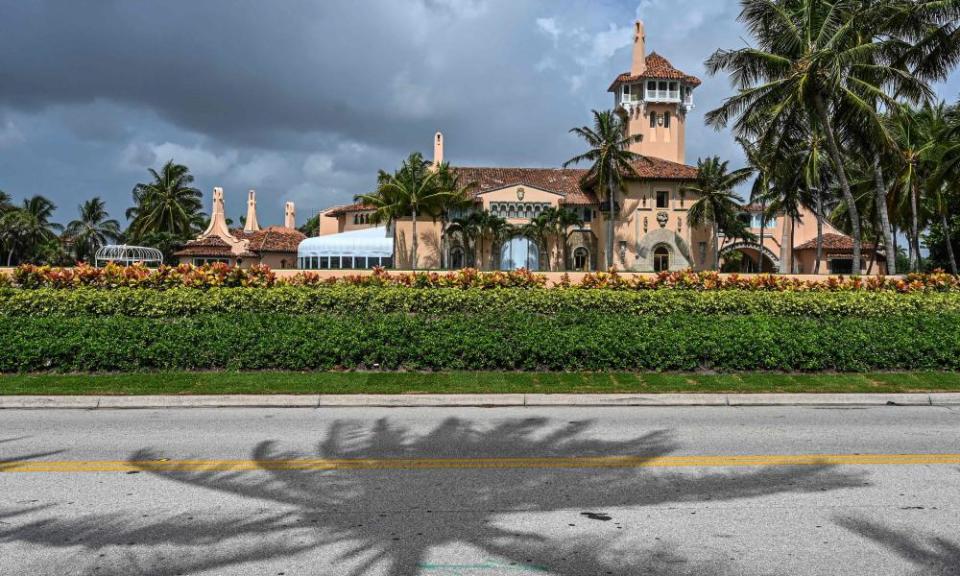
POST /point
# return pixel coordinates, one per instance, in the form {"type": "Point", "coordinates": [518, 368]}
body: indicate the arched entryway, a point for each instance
{"type": "Point", "coordinates": [456, 258]}
{"type": "Point", "coordinates": [661, 259]}
{"type": "Point", "coordinates": [520, 252]}
{"type": "Point", "coordinates": [581, 259]}
{"type": "Point", "coordinates": [744, 257]}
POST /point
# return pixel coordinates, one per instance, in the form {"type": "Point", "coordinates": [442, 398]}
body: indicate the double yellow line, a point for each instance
{"type": "Point", "coordinates": [322, 464]}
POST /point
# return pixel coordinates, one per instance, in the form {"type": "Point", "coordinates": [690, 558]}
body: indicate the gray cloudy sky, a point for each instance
{"type": "Point", "coordinates": [305, 99]}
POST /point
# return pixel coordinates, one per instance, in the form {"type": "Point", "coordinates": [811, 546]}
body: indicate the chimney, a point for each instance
{"type": "Point", "coordinates": [438, 149]}
{"type": "Point", "coordinates": [289, 215]}
{"type": "Point", "coordinates": [251, 224]}
{"type": "Point", "coordinates": [639, 65]}
{"type": "Point", "coordinates": [218, 218]}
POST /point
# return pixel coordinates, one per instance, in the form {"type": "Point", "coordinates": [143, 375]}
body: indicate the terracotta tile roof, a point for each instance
{"type": "Point", "coordinates": [212, 246]}
{"type": "Point", "coordinates": [650, 168]}
{"type": "Point", "coordinates": [275, 239]}
{"type": "Point", "coordinates": [834, 243]}
{"type": "Point", "coordinates": [566, 181]}
{"type": "Point", "coordinates": [562, 181]}
{"type": "Point", "coordinates": [658, 68]}
{"type": "Point", "coordinates": [347, 208]}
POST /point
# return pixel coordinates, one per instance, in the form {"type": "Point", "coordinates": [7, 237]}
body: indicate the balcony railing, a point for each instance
{"type": "Point", "coordinates": [663, 96]}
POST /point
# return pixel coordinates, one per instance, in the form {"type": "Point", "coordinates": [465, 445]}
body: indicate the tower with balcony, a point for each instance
{"type": "Point", "coordinates": [656, 98]}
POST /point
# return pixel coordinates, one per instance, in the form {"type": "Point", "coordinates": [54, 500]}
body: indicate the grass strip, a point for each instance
{"type": "Point", "coordinates": [267, 382]}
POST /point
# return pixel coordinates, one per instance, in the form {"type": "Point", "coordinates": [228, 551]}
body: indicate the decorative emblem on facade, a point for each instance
{"type": "Point", "coordinates": [520, 193]}
{"type": "Point", "coordinates": [662, 218]}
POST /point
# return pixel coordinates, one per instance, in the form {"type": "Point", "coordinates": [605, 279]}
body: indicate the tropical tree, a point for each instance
{"type": "Point", "coordinates": [539, 229]}
{"type": "Point", "coordinates": [821, 59]}
{"type": "Point", "coordinates": [92, 230]}
{"type": "Point", "coordinates": [415, 189]}
{"type": "Point", "coordinates": [456, 197]}
{"type": "Point", "coordinates": [717, 204]}
{"type": "Point", "coordinates": [169, 204]}
{"type": "Point", "coordinates": [29, 228]}
{"type": "Point", "coordinates": [611, 162]}
{"type": "Point", "coordinates": [559, 221]}
{"type": "Point", "coordinates": [497, 228]}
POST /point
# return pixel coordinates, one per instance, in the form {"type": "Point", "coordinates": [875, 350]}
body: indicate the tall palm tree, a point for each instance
{"type": "Point", "coordinates": [29, 228]}
{"type": "Point", "coordinates": [457, 197]}
{"type": "Point", "coordinates": [411, 191]}
{"type": "Point", "coordinates": [716, 204]}
{"type": "Point", "coordinates": [168, 204]}
{"type": "Point", "coordinates": [815, 59]}
{"type": "Point", "coordinates": [539, 229]}
{"type": "Point", "coordinates": [561, 220]}
{"type": "Point", "coordinates": [611, 162]}
{"type": "Point", "coordinates": [917, 137]}
{"type": "Point", "coordinates": [93, 229]}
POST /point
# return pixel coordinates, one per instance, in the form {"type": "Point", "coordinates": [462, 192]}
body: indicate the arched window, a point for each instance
{"type": "Point", "coordinates": [661, 259]}
{"type": "Point", "coordinates": [581, 257]}
{"type": "Point", "coordinates": [666, 119]}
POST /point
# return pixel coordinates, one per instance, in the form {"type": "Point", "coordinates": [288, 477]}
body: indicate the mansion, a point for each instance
{"type": "Point", "coordinates": [650, 220]}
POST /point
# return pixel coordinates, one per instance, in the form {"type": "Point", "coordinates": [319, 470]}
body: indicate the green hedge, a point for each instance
{"type": "Point", "coordinates": [584, 341]}
{"type": "Point", "coordinates": [351, 300]}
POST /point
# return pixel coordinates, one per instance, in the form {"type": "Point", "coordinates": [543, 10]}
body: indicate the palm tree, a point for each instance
{"type": "Point", "coordinates": [717, 204]}
{"type": "Point", "coordinates": [168, 204]}
{"type": "Point", "coordinates": [611, 161]}
{"type": "Point", "coordinates": [917, 137]}
{"type": "Point", "coordinates": [497, 228]}
{"type": "Point", "coordinates": [413, 190]}
{"type": "Point", "coordinates": [93, 229]}
{"type": "Point", "coordinates": [816, 59]}
{"type": "Point", "coordinates": [457, 196]}
{"type": "Point", "coordinates": [29, 228]}
{"type": "Point", "coordinates": [559, 221]}
{"type": "Point", "coordinates": [539, 229]}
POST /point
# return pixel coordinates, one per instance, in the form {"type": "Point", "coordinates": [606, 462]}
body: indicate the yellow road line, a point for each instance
{"type": "Point", "coordinates": [478, 463]}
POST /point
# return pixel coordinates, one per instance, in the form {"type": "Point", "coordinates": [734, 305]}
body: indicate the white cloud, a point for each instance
{"type": "Point", "coordinates": [10, 134]}
{"type": "Point", "coordinates": [317, 165]}
{"type": "Point", "coordinates": [138, 155]}
{"type": "Point", "coordinates": [259, 169]}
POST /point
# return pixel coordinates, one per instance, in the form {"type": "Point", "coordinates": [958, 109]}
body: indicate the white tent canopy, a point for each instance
{"type": "Point", "coordinates": [364, 248]}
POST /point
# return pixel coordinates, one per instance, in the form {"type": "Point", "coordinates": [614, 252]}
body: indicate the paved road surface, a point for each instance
{"type": "Point", "coordinates": [469, 492]}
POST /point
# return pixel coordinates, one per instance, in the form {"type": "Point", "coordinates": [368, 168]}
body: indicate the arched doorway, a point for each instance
{"type": "Point", "coordinates": [456, 258]}
{"type": "Point", "coordinates": [519, 252]}
{"type": "Point", "coordinates": [581, 259]}
{"type": "Point", "coordinates": [661, 259]}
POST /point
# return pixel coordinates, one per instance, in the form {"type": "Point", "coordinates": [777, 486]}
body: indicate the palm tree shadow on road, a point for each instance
{"type": "Point", "coordinates": [391, 521]}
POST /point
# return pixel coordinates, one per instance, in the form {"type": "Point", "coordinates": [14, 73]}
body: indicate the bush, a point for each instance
{"type": "Point", "coordinates": [586, 341]}
{"type": "Point", "coordinates": [113, 276]}
{"type": "Point", "coordinates": [346, 299]}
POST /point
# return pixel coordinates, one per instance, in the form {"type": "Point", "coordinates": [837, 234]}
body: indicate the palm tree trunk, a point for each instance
{"type": "Point", "coordinates": [716, 246]}
{"type": "Point", "coordinates": [951, 259]}
{"type": "Point", "coordinates": [885, 228]}
{"type": "Point", "coordinates": [763, 222]}
{"type": "Point", "coordinates": [785, 246]}
{"type": "Point", "coordinates": [816, 267]}
{"type": "Point", "coordinates": [914, 231]}
{"type": "Point", "coordinates": [842, 177]}
{"type": "Point", "coordinates": [480, 258]}
{"type": "Point", "coordinates": [610, 223]}
{"type": "Point", "coordinates": [413, 263]}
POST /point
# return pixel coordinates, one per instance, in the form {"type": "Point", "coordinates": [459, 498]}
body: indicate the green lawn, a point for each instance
{"type": "Point", "coordinates": [467, 382]}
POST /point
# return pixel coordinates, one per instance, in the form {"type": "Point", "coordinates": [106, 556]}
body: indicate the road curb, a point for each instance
{"type": "Point", "coordinates": [474, 400]}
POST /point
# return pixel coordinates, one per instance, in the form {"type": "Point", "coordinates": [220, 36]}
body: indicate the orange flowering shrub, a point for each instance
{"type": "Point", "coordinates": [139, 276]}
{"type": "Point", "coordinates": [222, 275]}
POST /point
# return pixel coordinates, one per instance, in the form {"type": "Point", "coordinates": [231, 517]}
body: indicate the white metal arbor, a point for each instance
{"type": "Point", "coordinates": [126, 255]}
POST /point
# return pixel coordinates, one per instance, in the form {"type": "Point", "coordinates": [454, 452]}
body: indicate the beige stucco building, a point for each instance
{"type": "Point", "coordinates": [273, 246]}
{"type": "Point", "coordinates": [650, 220]}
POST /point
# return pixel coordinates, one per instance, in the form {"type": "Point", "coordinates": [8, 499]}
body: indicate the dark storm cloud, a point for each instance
{"type": "Point", "coordinates": [305, 100]}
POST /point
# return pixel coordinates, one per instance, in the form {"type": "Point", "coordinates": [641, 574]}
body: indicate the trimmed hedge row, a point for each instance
{"type": "Point", "coordinates": [585, 341]}
{"type": "Point", "coordinates": [341, 299]}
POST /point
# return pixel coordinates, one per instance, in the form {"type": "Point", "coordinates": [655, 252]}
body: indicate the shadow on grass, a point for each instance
{"type": "Point", "coordinates": [358, 522]}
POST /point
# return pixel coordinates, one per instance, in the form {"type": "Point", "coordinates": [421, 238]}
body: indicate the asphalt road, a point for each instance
{"type": "Point", "coordinates": [468, 492]}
